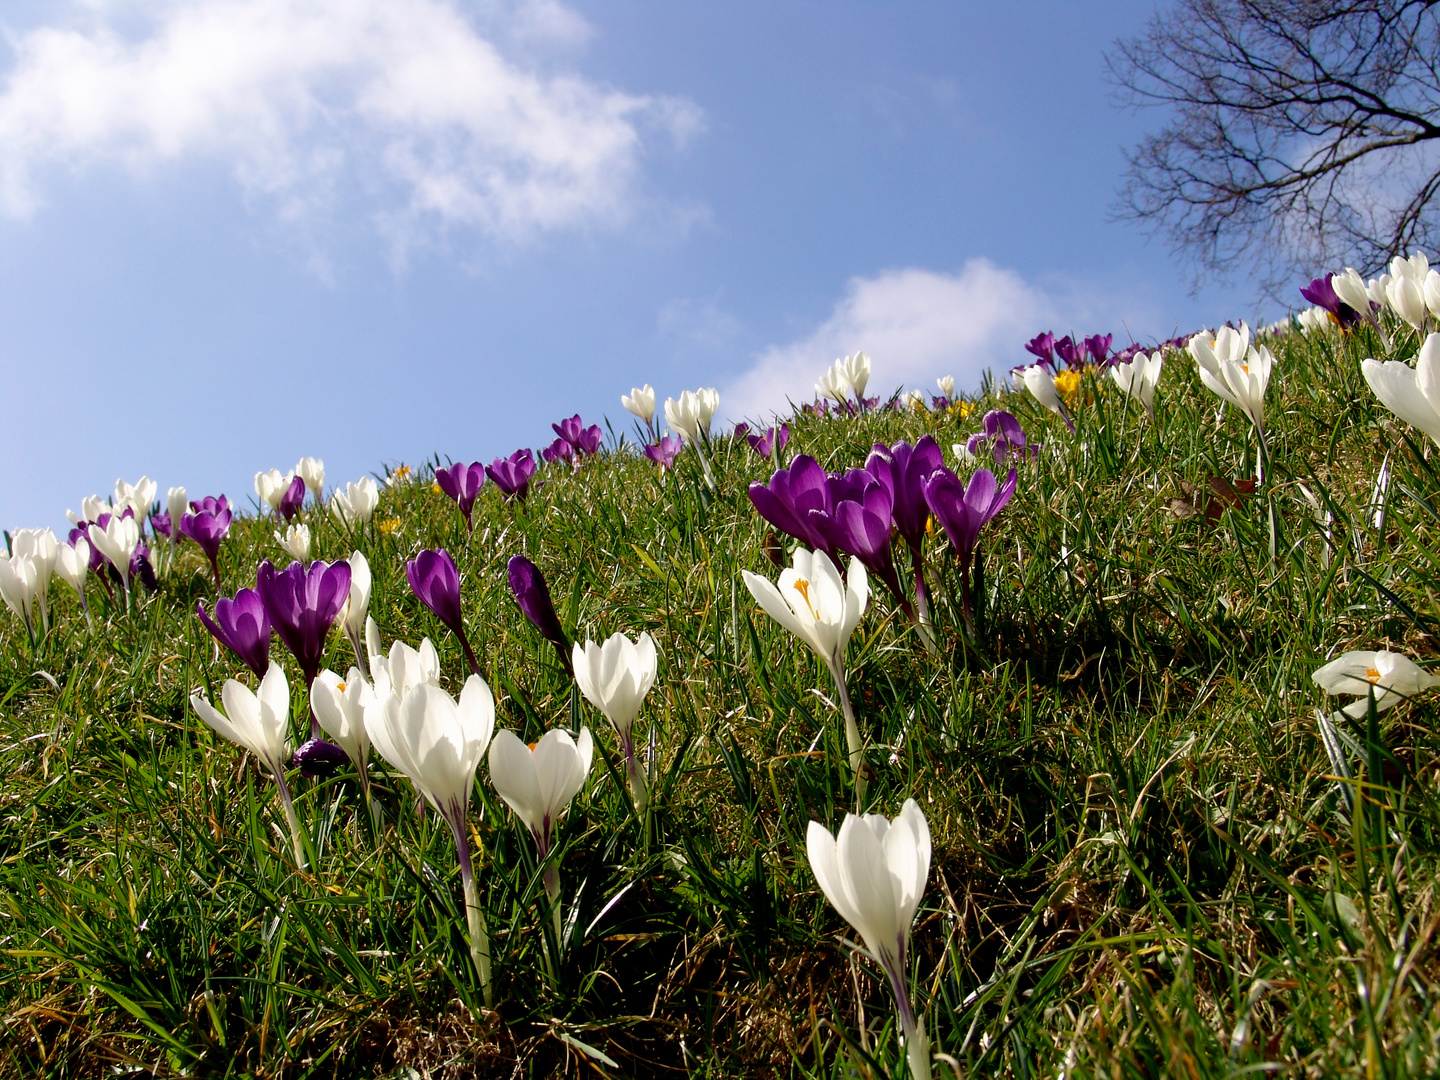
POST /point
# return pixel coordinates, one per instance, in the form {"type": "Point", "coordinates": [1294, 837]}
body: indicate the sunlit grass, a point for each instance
{"type": "Point", "coordinates": [1141, 863]}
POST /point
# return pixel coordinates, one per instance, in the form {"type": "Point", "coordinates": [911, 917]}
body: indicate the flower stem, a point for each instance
{"type": "Point", "coordinates": [291, 818]}
{"type": "Point", "coordinates": [916, 1042]}
{"type": "Point", "coordinates": [854, 744]}
{"type": "Point", "coordinates": [474, 917]}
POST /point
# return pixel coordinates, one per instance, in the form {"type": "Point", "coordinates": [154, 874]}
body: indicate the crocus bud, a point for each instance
{"type": "Point", "coordinates": [436, 582]}
{"type": "Point", "coordinates": [533, 596]}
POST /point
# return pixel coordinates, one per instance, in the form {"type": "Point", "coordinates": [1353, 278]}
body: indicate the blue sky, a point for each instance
{"type": "Point", "coordinates": [235, 233]}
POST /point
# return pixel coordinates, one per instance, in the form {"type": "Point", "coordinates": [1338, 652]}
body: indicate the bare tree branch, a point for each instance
{"type": "Point", "coordinates": [1302, 134]}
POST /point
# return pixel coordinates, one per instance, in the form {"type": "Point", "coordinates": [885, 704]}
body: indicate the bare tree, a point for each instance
{"type": "Point", "coordinates": [1301, 134]}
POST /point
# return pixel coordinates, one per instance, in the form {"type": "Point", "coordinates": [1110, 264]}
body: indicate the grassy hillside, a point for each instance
{"type": "Point", "coordinates": [1142, 865]}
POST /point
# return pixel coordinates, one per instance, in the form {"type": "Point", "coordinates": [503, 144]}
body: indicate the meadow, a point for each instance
{"type": "Point", "coordinates": [1145, 863]}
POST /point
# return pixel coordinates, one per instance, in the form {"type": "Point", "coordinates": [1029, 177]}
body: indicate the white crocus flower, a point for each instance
{"type": "Point", "coordinates": [271, 486]}
{"type": "Point", "coordinates": [914, 399]}
{"type": "Point", "coordinates": [1406, 296]}
{"type": "Point", "coordinates": [137, 496]}
{"type": "Point", "coordinates": [1139, 377]}
{"type": "Point", "coordinates": [437, 743]}
{"type": "Point", "coordinates": [356, 613]}
{"type": "Point", "coordinates": [340, 708]}
{"type": "Point", "coordinates": [1412, 394]}
{"type": "Point", "coordinates": [1416, 266]}
{"type": "Point", "coordinates": [1234, 370]}
{"type": "Point", "coordinates": [1040, 381]}
{"type": "Point", "coordinates": [177, 503]}
{"type": "Point", "coordinates": [641, 402]}
{"type": "Point", "coordinates": [874, 873]}
{"type": "Point", "coordinates": [855, 371]}
{"type": "Point", "coordinates": [117, 542]}
{"type": "Point", "coordinates": [18, 580]}
{"type": "Point", "coordinates": [72, 566]}
{"type": "Point", "coordinates": [683, 415]}
{"type": "Point", "coordinates": [295, 541]}
{"type": "Point", "coordinates": [1392, 677]}
{"type": "Point", "coordinates": [91, 507]}
{"type": "Point", "coordinates": [356, 503]}
{"type": "Point", "coordinates": [832, 384]}
{"type": "Point", "coordinates": [261, 724]}
{"type": "Point", "coordinates": [1350, 288]}
{"type": "Point", "coordinates": [1314, 319]}
{"type": "Point", "coordinates": [404, 668]}
{"type": "Point", "coordinates": [822, 611]}
{"type": "Point", "coordinates": [41, 547]}
{"type": "Point", "coordinates": [615, 677]}
{"type": "Point", "coordinates": [709, 399]}
{"type": "Point", "coordinates": [690, 416]}
{"type": "Point", "coordinates": [312, 471]}
{"type": "Point", "coordinates": [1431, 292]}
{"type": "Point", "coordinates": [946, 384]}
{"type": "Point", "coordinates": [538, 784]}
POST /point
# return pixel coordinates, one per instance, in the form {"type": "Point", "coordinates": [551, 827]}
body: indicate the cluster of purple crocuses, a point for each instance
{"type": "Point", "coordinates": [462, 483]}
{"type": "Point", "coordinates": [574, 441]}
{"type": "Point", "coordinates": [1095, 351]}
{"type": "Point", "coordinates": [900, 487]}
{"type": "Point", "coordinates": [300, 605]}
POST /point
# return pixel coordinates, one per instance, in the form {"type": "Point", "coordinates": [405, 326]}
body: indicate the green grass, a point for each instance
{"type": "Point", "coordinates": [1142, 866]}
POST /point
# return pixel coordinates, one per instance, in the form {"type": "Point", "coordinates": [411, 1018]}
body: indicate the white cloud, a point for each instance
{"type": "Point", "coordinates": [432, 120]}
{"type": "Point", "coordinates": [917, 325]}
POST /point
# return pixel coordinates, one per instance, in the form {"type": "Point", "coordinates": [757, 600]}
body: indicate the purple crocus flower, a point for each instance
{"type": "Point", "coordinates": [302, 604]}
{"type": "Point", "coordinates": [1071, 353]}
{"type": "Point", "coordinates": [161, 525]}
{"type": "Point", "coordinates": [742, 430]}
{"type": "Point", "coordinates": [1042, 347]}
{"type": "Point", "coordinates": [901, 469]}
{"type": "Point", "coordinates": [787, 500]}
{"type": "Point", "coordinates": [570, 430]}
{"type": "Point", "coordinates": [1003, 436]}
{"type": "Point", "coordinates": [207, 524]}
{"type": "Point", "coordinates": [242, 625]}
{"type": "Point", "coordinates": [463, 483]}
{"type": "Point", "coordinates": [940, 403]}
{"type": "Point", "coordinates": [590, 440]}
{"type": "Point", "coordinates": [435, 580]}
{"type": "Point", "coordinates": [316, 757]}
{"type": "Point", "coordinates": [533, 596]}
{"type": "Point", "coordinates": [512, 475]}
{"type": "Point", "coordinates": [141, 568]}
{"type": "Point", "coordinates": [963, 511]}
{"type": "Point", "coordinates": [858, 523]}
{"type": "Point", "coordinates": [293, 499]}
{"type": "Point", "coordinates": [664, 451]}
{"type": "Point", "coordinates": [1321, 293]}
{"type": "Point", "coordinates": [1098, 346]}
{"type": "Point", "coordinates": [771, 443]}
{"type": "Point", "coordinates": [559, 450]}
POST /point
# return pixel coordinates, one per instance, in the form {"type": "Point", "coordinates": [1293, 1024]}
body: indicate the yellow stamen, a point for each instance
{"type": "Point", "coordinates": [803, 588]}
{"type": "Point", "coordinates": [340, 687]}
{"type": "Point", "coordinates": [1372, 675]}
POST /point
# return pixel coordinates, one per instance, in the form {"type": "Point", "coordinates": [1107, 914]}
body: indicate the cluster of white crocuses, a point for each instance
{"type": "Point", "coordinates": [1139, 376]}
{"type": "Point", "coordinates": [689, 416]}
{"type": "Point", "coordinates": [35, 556]}
{"type": "Point", "coordinates": [1411, 393]}
{"type": "Point", "coordinates": [1237, 371]}
{"type": "Point", "coordinates": [437, 741]}
{"type": "Point", "coordinates": [848, 375]}
{"type": "Point", "coordinates": [873, 872]}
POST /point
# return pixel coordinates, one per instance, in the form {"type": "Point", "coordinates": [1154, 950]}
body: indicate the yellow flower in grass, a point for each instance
{"type": "Point", "coordinates": [389, 525]}
{"type": "Point", "coordinates": [437, 489]}
{"type": "Point", "coordinates": [962, 409]}
{"type": "Point", "coordinates": [1068, 384]}
{"type": "Point", "coordinates": [401, 475]}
